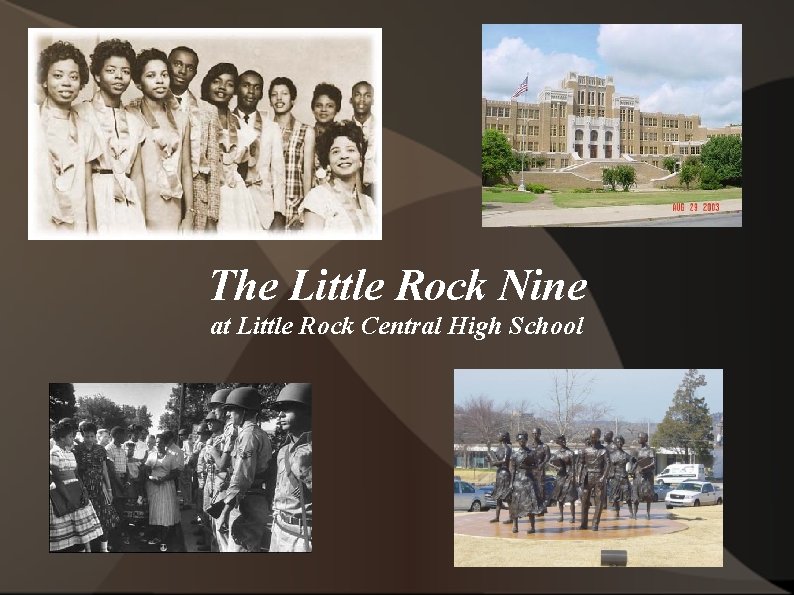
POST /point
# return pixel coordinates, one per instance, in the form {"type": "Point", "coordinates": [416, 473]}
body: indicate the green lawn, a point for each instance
{"type": "Point", "coordinates": [606, 199]}
{"type": "Point", "coordinates": [507, 196]}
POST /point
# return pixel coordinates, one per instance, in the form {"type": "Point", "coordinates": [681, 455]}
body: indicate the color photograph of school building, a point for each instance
{"type": "Point", "coordinates": [585, 97]}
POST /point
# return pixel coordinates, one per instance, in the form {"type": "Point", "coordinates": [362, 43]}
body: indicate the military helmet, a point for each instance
{"type": "Point", "coordinates": [296, 392]}
{"type": "Point", "coordinates": [220, 396]}
{"type": "Point", "coordinates": [204, 428]}
{"type": "Point", "coordinates": [246, 397]}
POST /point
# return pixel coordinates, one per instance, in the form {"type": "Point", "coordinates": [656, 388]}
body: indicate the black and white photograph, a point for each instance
{"type": "Point", "coordinates": [204, 134]}
{"type": "Point", "coordinates": [180, 467]}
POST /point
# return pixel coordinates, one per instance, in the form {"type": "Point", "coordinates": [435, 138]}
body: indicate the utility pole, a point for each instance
{"type": "Point", "coordinates": [181, 405]}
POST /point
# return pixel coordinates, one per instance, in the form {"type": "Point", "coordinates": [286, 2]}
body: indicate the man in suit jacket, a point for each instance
{"type": "Point", "coordinates": [204, 126]}
{"type": "Point", "coordinates": [263, 172]}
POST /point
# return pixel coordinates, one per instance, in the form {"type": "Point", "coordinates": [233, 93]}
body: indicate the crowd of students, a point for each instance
{"type": "Point", "coordinates": [108, 488]}
{"type": "Point", "coordinates": [169, 161]}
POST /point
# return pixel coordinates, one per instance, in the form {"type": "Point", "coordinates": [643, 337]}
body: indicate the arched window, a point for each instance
{"type": "Point", "coordinates": [593, 136]}
{"type": "Point", "coordinates": [579, 135]}
{"type": "Point", "coordinates": [609, 136]}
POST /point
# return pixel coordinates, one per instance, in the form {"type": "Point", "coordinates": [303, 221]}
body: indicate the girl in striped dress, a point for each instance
{"type": "Point", "coordinates": [75, 528]}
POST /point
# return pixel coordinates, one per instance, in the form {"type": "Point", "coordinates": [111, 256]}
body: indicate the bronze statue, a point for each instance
{"type": "Point", "coordinates": [644, 467]}
{"type": "Point", "coordinates": [542, 456]}
{"type": "Point", "coordinates": [592, 479]}
{"type": "Point", "coordinates": [608, 443]}
{"type": "Point", "coordinates": [564, 490]}
{"type": "Point", "coordinates": [501, 491]}
{"type": "Point", "coordinates": [525, 497]}
{"type": "Point", "coordinates": [618, 486]}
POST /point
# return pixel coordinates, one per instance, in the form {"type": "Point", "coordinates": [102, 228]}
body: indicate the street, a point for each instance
{"type": "Point", "coordinates": [710, 220]}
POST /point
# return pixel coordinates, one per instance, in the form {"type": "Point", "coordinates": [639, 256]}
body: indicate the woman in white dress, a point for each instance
{"type": "Point", "coordinates": [237, 211]}
{"type": "Point", "coordinates": [165, 154]}
{"type": "Point", "coordinates": [117, 174]}
{"type": "Point", "coordinates": [339, 205]}
{"type": "Point", "coordinates": [66, 145]}
{"type": "Point", "coordinates": [163, 469]}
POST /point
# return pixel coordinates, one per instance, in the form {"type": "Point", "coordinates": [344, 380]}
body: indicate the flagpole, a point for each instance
{"type": "Point", "coordinates": [521, 186]}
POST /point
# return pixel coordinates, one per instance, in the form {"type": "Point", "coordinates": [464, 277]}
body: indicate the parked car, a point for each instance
{"type": "Point", "coordinates": [693, 493]}
{"type": "Point", "coordinates": [660, 490]}
{"type": "Point", "coordinates": [491, 503]}
{"type": "Point", "coordinates": [467, 497]}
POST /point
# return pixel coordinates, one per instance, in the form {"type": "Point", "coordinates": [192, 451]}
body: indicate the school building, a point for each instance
{"type": "Point", "coordinates": [586, 120]}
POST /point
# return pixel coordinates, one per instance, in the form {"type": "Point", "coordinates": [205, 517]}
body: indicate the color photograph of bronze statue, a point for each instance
{"type": "Point", "coordinates": [586, 446]}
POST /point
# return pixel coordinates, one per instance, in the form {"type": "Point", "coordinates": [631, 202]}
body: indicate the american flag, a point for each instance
{"type": "Point", "coordinates": [522, 88]}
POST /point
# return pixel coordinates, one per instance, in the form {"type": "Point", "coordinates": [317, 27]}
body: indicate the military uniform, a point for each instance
{"type": "Point", "coordinates": [292, 504]}
{"type": "Point", "coordinates": [221, 481]}
{"type": "Point", "coordinates": [248, 519]}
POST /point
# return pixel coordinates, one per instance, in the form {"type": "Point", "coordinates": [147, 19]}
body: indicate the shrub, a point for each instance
{"type": "Point", "coordinates": [626, 176]}
{"type": "Point", "coordinates": [536, 188]}
{"type": "Point", "coordinates": [709, 179]}
{"type": "Point", "coordinates": [609, 177]}
{"type": "Point", "coordinates": [582, 190]}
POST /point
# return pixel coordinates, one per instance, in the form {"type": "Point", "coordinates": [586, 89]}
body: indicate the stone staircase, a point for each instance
{"type": "Point", "coordinates": [592, 169]}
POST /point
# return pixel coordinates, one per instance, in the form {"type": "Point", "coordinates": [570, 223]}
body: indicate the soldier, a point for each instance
{"type": "Point", "coordinates": [292, 503]}
{"type": "Point", "coordinates": [593, 475]}
{"type": "Point", "coordinates": [245, 512]}
{"type": "Point", "coordinates": [210, 472]}
{"type": "Point", "coordinates": [220, 452]}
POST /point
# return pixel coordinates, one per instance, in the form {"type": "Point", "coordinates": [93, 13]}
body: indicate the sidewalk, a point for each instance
{"type": "Point", "coordinates": [518, 215]}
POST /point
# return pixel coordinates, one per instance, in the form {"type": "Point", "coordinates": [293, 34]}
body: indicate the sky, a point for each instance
{"type": "Point", "coordinates": [689, 69]}
{"type": "Point", "coordinates": [635, 395]}
{"type": "Point", "coordinates": [153, 395]}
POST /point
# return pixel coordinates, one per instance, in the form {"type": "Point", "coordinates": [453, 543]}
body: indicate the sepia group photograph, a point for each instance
{"type": "Point", "coordinates": [204, 134]}
{"type": "Point", "coordinates": [180, 467]}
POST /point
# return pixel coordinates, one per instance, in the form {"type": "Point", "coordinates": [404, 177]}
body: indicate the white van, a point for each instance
{"type": "Point", "coordinates": [678, 472]}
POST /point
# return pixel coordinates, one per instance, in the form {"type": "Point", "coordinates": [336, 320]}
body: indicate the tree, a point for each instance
{"type": "Point", "coordinates": [483, 420]}
{"type": "Point", "coordinates": [570, 408]}
{"type": "Point", "coordinates": [708, 178]}
{"type": "Point", "coordinates": [688, 174]}
{"type": "Point", "coordinates": [143, 417]}
{"type": "Point", "coordinates": [609, 178]}
{"type": "Point", "coordinates": [197, 396]}
{"type": "Point", "coordinates": [61, 400]}
{"type": "Point", "coordinates": [723, 154]}
{"type": "Point", "coordinates": [497, 157]}
{"type": "Point", "coordinates": [626, 176]}
{"type": "Point", "coordinates": [669, 163]}
{"type": "Point", "coordinates": [101, 411]}
{"type": "Point", "coordinates": [687, 425]}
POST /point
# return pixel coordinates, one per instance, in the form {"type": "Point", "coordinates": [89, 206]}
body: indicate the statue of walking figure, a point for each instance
{"type": "Point", "coordinates": [642, 487]}
{"type": "Point", "coordinates": [542, 456]}
{"type": "Point", "coordinates": [501, 460]}
{"type": "Point", "coordinates": [594, 472]}
{"type": "Point", "coordinates": [618, 486]}
{"type": "Point", "coordinates": [525, 497]}
{"type": "Point", "coordinates": [564, 490]}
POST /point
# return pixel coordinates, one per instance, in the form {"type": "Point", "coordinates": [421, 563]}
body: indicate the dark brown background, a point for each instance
{"type": "Point", "coordinates": [140, 312]}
